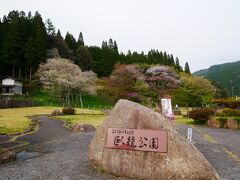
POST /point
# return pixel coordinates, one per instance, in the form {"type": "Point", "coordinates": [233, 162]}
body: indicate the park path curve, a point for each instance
{"type": "Point", "coordinates": [49, 129]}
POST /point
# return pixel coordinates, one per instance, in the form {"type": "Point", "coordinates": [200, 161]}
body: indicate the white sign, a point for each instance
{"type": "Point", "coordinates": [166, 106]}
{"type": "Point", "coordinates": [189, 135]}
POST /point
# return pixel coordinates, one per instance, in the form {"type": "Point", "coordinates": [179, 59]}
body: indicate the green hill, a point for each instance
{"type": "Point", "coordinates": [226, 75]}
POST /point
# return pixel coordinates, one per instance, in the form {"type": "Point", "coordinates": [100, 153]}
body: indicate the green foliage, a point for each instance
{"type": "Point", "coordinates": [226, 75]}
{"type": "Point", "coordinates": [177, 65]}
{"type": "Point", "coordinates": [46, 98]}
{"type": "Point", "coordinates": [201, 115]}
{"type": "Point", "coordinates": [59, 33]}
{"type": "Point", "coordinates": [68, 111]}
{"type": "Point", "coordinates": [50, 28]}
{"type": "Point", "coordinates": [141, 85]}
{"type": "Point", "coordinates": [228, 103]}
{"type": "Point", "coordinates": [194, 91]}
{"type": "Point", "coordinates": [91, 117]}
{"type": "Point", "coordinates": [222, 121]}
{"type": "Point", "coordinates": [103, 60]}
{"type": "Point", "coordinates": [80, 41]}
{"type": "Point", "coordinates": [83, 58]}
{"type": "Point", "coordinates": [71, 41]}
{"type": "Point", "coordinates": [22, 43]}
{"type": "Point", "coordinates": [187, 69]}
{"type": "Point", "coordinates": [229, 112]}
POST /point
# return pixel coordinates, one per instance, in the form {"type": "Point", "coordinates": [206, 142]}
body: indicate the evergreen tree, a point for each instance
{"type": "Point", "coordinates": [172, 63]}
{"type": "Point", "coordinates": [115, 46]}
{"type": "Point", "coordinates": [165, 58]}
{"type": "Point", "coordinates": [30, 57]}
{"type": "Point", "coordinates": [110, 44]}
{"type": "Point", "coordinates": [187, 69]}
{"type": "Point", "coordinates": [104, 44]}
{"type": "Point", "coordinates": [177, 64]}
{"type": "Point", "coordinates": [14, 39]}
{"type": "Point", "coordinates": [40, 40]}
{"type": "Point", "coordinates": [59, 33]}
{"type": "Point", "coordinates": [83, 58]}
{"type": "Point", "coordinates": [50, 28]}
{"type": "Point", "coordinates": [80, 41]}
{"type": "Point", "coordinates": [71, 41]}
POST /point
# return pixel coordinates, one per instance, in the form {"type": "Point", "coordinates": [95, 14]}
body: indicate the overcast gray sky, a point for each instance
{"type": "Point", "coordinates": [202, 32]}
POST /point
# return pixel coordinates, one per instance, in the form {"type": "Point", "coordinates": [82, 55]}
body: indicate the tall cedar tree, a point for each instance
{"type": "Point", "coordinates": [83, 58]}
{"type": "Point", "coordinates": [40, 40]}
{"type": "Point", "coordinates": [177, 65]}
{"type": "Point", "coordinates": [59, 33]}
{"type": "Point", "coordinates": [187, 69]}
{"type": "Point", "coordinates": [71, 41]}
{"type": "Point", "coordinates": [50, 28]}
{"type": "Point", "coordinates": [80, 41]}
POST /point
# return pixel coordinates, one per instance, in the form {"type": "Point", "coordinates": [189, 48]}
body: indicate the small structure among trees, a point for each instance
{"type": "Point", "coordinates": [10, 86]}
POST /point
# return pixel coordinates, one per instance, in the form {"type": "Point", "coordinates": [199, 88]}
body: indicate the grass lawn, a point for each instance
{"type": "Point", "coordinates": [184, 120]}
{"type": "Point", "coordinates": [95, 120]}
{"type": "Point", "coordinates": [16, 120]}
{"type": "Point", "coordinates": [43, 98]}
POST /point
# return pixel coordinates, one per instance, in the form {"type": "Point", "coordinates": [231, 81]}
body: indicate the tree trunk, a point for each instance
{"type": "Point", "coordinates": [13, 71]}
{"type": "Point", "coordinates": [72, 100]}
{"type": "Point", "coordinates": [80, 97]}
{"type": "Point", "coordinates": [19, 72]}
{"type": "Point", "coordinates": [68, 98]}
{"type": "Point", "coordinates": [76, 100]}
{"type": "Point", "coordinates": [30, 75]}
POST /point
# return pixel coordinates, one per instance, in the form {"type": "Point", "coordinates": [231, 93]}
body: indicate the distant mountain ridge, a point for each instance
{"type": "Point", "coordinates": [227, 75]}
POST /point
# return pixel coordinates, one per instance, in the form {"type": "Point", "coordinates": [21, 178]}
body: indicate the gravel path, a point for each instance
{"type": "Point", "coordinates": [66, 159]}
{"type": "Point", "coordinates": [221, 147]}
{"type": "Point", "coordinates": [49, 129]}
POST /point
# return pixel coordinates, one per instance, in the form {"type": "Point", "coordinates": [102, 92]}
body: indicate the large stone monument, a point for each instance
{"type": "Point", "coordinates": [135, 141]}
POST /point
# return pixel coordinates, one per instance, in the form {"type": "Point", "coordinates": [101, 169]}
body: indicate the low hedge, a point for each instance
{"type": "Point", "coordinates": [227, 103]}
{"type": "Point", "coordinates": [201, 115]}
{"type": "Point", "coordinates": [229, 112]}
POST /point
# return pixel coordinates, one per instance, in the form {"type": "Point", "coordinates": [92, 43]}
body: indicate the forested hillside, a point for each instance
{"type": "Point", "coordinates": [225, 75]}
{"type": "Point", "coordinates": [26, 41]}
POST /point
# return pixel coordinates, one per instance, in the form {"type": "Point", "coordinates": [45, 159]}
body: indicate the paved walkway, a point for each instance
{"type": "Point", "coordinates": [48, 129]}
{"type": "Point", "coordinates": [63, 154]}
{"type": "Point", "coordinates": [221, 147]}
{"type": "Point", "coordinates": [63, 159]}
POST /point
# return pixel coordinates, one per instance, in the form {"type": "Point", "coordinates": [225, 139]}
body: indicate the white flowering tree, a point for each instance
{"type": "Point", "coordinates": [162, 78]}
{"type": "Point", "coordinates": [64, 76]}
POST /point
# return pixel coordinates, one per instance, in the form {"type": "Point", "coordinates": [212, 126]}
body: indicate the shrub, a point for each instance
{"type": "Point", "coordinates": [229, 112]}
{"type": "Point", "coordinates": [68, 111]}
{"type": "Point", "coordinates": [177, 112]}
{"type": "Point", "coordinates": [228, 103]}
{"type": "Point", "coordinates": [222, 121]}
{"type": "Point", "coordinates": [201, 115]}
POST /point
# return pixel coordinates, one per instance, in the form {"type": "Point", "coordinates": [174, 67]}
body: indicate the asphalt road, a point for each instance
{"type": "Point", "coordinates": [63, 154]}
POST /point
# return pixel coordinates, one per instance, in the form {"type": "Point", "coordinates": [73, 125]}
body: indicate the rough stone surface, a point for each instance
{"type": "Point", "coordinates": [84, 128]}
{"type": "Point", "coordinates": [232, 123]}
{"type": "Point", "coordinates": [7, 156]}
{"type": "Point", "coordinates": [212, 122]}
{"type": "Point", "coordinates": [182, 161]}
{"type": "Point", "coordinates": [56, 112]}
